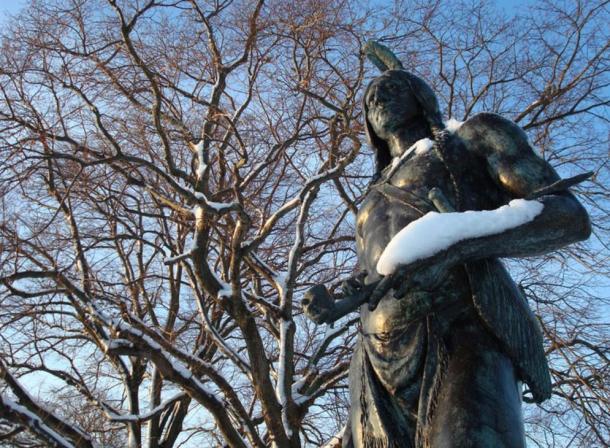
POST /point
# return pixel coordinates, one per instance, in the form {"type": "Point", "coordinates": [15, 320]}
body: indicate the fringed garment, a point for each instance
{"type": "Point", "coordinates": [441, 369]}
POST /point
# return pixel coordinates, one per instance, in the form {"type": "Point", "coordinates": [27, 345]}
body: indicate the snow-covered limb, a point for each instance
{"type": "Point", "coordinates": [119, 346]}
{"type": "Point", "coordinates": [210, 329]}
{"type": "Point", "coordinates": [157, 410]}
{"type": "Point", "coordinates": [335, 441]}
{"type": "Point", "coordinates": [225, 291]}
{"type": "Point", "coordinates": [259, 265]}
{"type": "Point", "coordinates": [262, 304]}
{"type": "Point", "coordinates": [285, 361]}
{"type": "Point", "coordinates": [285, 286]}
{"type": "Point", "coordinates": [201, 165]}
{"type": "Point", "coordinates": [287, 279]}
{"type": "Point", "coordinates": [27, 275]}
{"type": "Point", "coordinates": [9, 430]}
{"type": "Point", "coordinates": [185, 365]}
{"type": "Point", "coordinates": [533, 105]}
{"type": "Point", "coordinates": [169, 361]}
{"type": "Point", "coordinates": [140, 330]}
{"type": "Point", "coordinates": [284, 381]}
{"type": "Point", "coordinates": [32, 414]}
{"type": "Point", "coordinates": [177, 258]}
{"type": "Point", "coordinates": [74, 382]}
{"type": "Point", "coordinates": [153, 341]}
{"type": "Point", "coordinates": [435, 232]}
{"type": "Point", "coordinates": [217, 207]}
{"type": "Point", "coordinates": [18, 414]}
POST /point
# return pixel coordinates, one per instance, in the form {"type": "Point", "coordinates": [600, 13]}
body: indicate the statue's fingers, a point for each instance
{"type": "Point", "coordinates": [413, 280]}
{"type": "Point", "coordinates": [322, 317]}
{"type": "Point", "coordinates": [350, 287]}
{"type": "Point", "coordinates": [361, 276]}
{"type": "Point", "coordinates": [346, 288]}
{"type": "Point", "coordinates": [374, 301]}
{"type": "Point", "coordinates": [402, 289]}
{"type": "Point", "coordinates": [381, 290]}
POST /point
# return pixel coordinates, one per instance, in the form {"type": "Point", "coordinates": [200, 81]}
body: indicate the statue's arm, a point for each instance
{"type": "Point", "coordinates": [516, 169]}
{"type": "Point", "coordinates": [513, 164]}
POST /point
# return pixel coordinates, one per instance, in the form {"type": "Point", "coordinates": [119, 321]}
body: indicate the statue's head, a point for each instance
{"type": "Point", "coordinates": [394, 101]}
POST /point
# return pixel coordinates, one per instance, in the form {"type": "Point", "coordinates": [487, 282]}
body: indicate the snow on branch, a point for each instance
{"type": "Point", "coordinates": [28, 412]}
{"type": "Point", "coordinates": [184, 369]}
{"type": "Point", "coordinates": [285, 281]}
{"type": "Point", "coordinates": [14, 412]}
{"type": "Point", "coordinates": [335, 441]}
{"type": "Point", "coordinates": [175, 259]}
{"type": "Point", "coordinates": [211, 330]}
{"type": "Point", "coordinates": [201, 165]}
{"type": "Point", "coordinates": [284, 380]}
{"type": "Point", "coordinates": [217, 207]}
{"type": "Point", "coordinates": [157, 410]}
{"type": "Point", "coordinates": [176, 370]}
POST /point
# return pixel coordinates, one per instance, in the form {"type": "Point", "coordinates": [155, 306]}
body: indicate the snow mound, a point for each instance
{"type": "Point", "coordinates": [435, 232]}
{"type": "Point", "coordinates": [453, 125]}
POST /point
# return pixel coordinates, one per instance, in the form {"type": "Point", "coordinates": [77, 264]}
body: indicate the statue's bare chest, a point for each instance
{"type": "Point", "coordinates": [392, 205]}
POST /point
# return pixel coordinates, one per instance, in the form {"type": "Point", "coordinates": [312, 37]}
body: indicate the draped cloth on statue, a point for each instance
{"type": "Point", "coordinates": [387, 404]}
{"type": "Point", "coordinates": [397, 377]}
{"type": "Point", "coordinates": [446, 375]}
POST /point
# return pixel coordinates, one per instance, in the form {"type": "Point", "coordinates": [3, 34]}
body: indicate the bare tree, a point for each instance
{"type": "Point", "coordinates": [175, 173]}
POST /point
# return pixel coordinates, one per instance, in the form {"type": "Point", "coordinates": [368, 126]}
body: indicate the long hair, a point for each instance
{"type": "Point", "coordinates": [428, 103]}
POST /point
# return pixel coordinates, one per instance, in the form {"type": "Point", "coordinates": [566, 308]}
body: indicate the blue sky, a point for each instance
{"type": "Point", "coordinates": [512, 6]}
{"type": "Point", "coordinates": [12, 6]}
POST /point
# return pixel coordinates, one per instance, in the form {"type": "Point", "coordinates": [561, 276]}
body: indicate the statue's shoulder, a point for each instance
{"type": "Point", "coordinates": [372, 199]}
{"type": "Point", "coordinates": [489, 135]}
{"type": "Point", "coordinates": [511, 160]}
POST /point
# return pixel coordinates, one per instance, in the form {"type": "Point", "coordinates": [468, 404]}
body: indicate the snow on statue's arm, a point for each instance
{"type": "Point", "coordinates": [420, 255]}
{"type": "Point", "coordinates": [436, 232]}
{"type": "Point", "coordinates": [437, 242]}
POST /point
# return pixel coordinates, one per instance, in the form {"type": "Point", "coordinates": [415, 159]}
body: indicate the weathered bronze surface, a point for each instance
{"type": "Point", "coordinates": [446, 342]}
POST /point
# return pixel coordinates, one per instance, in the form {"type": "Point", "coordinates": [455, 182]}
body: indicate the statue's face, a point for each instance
{"type": "Point", "coordinates": [391, 104]}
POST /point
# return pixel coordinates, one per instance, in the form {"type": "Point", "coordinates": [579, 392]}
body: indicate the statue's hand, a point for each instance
{"type": "Point", "coordinates": [322, 307]}
{"type": "Point", "coordinates": [423, 278]}
{"type": "Point", "coordinates": [353, 285]}
{"type": "Point", "coordinates": [421, 275]}
{"type": "Point", "coordinates": [318, 304]}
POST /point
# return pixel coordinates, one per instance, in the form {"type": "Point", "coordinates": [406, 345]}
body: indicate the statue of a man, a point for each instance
{"type": "Point", "coordinates": [446, 341]}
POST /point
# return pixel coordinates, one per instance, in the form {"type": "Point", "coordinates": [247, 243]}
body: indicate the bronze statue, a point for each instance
{"type": "Point", "coordinates": [445, 341]}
